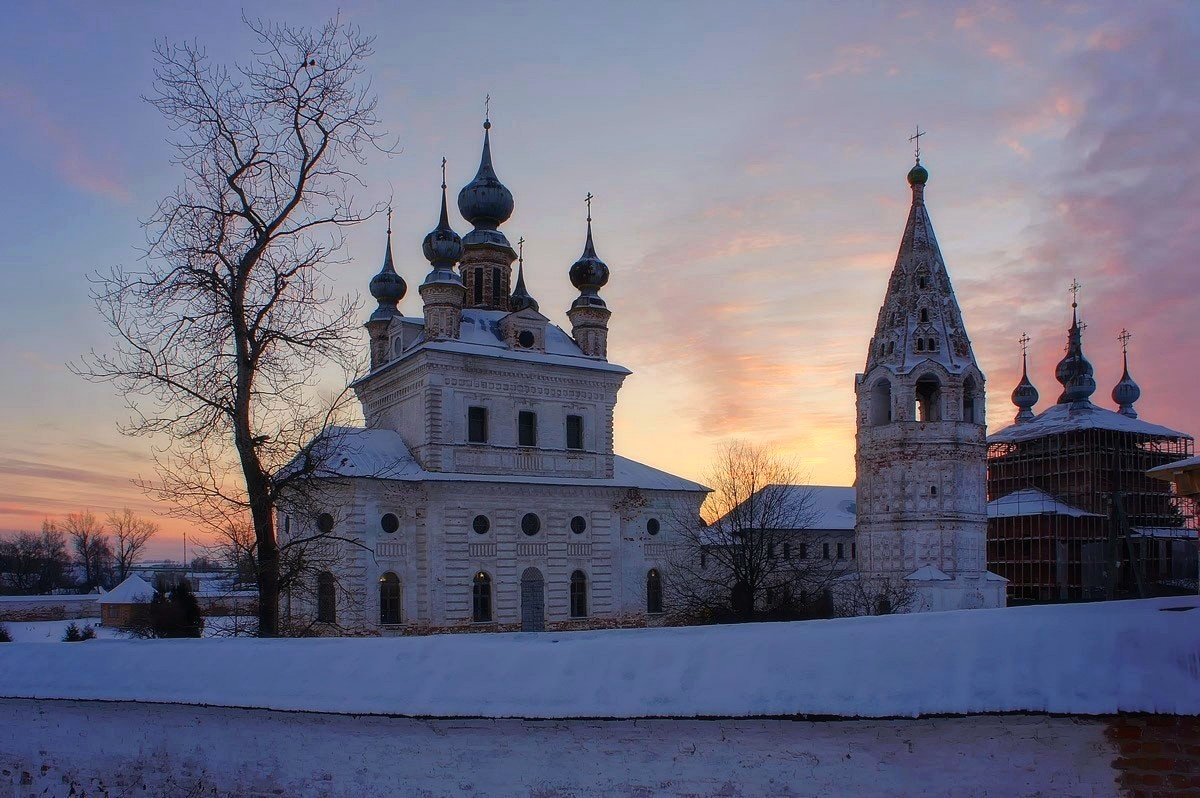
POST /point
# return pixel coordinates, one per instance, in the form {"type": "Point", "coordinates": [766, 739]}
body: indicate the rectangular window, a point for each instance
{"type": "Point", "coordinates": [574, 432]}
{"type": "Point", "coordinates": [479, 286]}
{"type": "Point", "coordinates": [526, 428]}
{"type": "Point", "coordinates": [824, 551]}
{"type": "Point", "coordinates": [477, 431]}
{"type": "Point", "coordinates": [804, 551]}
{"type": "Point", "coordinates": [787, 551]}
{"type": "Point", "coordinates": [853, 551]}
{"type": "Point", "coordinates": [770, 551]}
{"type": "Point", "coordinates": [841, 551]}
{"type": "Point", "coordinates": [496, 292]}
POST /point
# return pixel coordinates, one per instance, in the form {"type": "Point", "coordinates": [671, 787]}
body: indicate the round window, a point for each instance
{"type": "Point", "coordinates": [325, 523]}
{"type": "Point", "coordinates": [652, 526]}
{"type": "Point", "coordinates": [578, 524]}
{"type": "Point", "coordinates": [525, 338]}
{"type": "Point", "coordinates": [390, 523]}
{"type": "Point", "coordinates": [481, 524]}
{"type": "Point", "coordinates": [530, 524]}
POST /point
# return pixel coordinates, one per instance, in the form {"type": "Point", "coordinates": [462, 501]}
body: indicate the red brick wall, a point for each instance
{"type": "Point", "coordinates": [1158, 756]}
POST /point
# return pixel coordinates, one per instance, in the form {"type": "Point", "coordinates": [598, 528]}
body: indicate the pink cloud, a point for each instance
{"type": "Point", "coordinates": [61, 147]}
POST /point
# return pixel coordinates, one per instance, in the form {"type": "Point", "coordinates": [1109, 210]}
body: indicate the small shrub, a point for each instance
{"type": "Point", "coordinates": [76, 635]}
{"type": "Point", "coordinates": [171, 613]}
{"type": "Point", "coordinates": [5, 637]}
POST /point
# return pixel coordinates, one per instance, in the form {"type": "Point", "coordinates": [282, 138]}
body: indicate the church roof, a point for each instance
{"type": "Point", "coordinates": [480, 334]}
{"type": "Point", "coordinates": [920, 319]}
{"type": "Point", "coordinates": [382, 454]}
{"type": "Point", "coordinates": [1074, 417]}
{"type": "Point", "coordinates": [1031, 501]}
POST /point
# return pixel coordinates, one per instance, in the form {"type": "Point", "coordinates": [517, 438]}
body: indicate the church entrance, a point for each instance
{"type": "Point", "coordinates": [533, 601]}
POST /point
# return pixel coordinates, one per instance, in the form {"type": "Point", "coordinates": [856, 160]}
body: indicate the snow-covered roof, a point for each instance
{"type": "Point", "coordinates": [1097, 658]}
{"type": "Point", "coordinates": [928, 573]}
{"type": "Point", "coordinates": [382, 454]}
{"type": "Point", "coordinates": [132, 590]}
{"type": "Point", "coordinates": [1166, 471]}
{"type": "Point", "coordinates": [1172, 532]}
{"type": "Point", "coordinates": [1031, 501]}
{"type": "Point", "coordinates": [479, 334]}
{"type": "Point", "coordinates": [1060, 418]}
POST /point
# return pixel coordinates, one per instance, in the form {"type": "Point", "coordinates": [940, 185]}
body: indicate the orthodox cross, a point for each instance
{"type": "Point", "coordinates": [487, 108]}
{"type": "Point", "coordinates": [521, 250]}
{"type": "Point", "coordinates": [1124, 339]}
{"type": "Point", "coordinates": [1074, 289]}
{"type": "Point", "coordinates": [916, 139]}
{"type": "Point", "coordinates": [588, 199]}
{"type": "Point", "coordinates": [443, 171]}
{"type": "Point", "coordinates": [1024, 342]}
{"type": "Point", "coordinates": [390, 218]}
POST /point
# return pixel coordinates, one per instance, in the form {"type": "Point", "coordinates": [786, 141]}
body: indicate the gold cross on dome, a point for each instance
{"type": "Point", "coordinates": [1074, 289]}
{"type": "Point", "coordinates": [1124, 339]}
{"type": "Point", "coordinates": [1024, 341]}
{"type": "Point", "coordinates": [916, 139]}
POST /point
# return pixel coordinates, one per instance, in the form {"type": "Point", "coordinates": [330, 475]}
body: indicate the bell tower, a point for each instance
{"type": "Point", "coordinates": [920, 451]}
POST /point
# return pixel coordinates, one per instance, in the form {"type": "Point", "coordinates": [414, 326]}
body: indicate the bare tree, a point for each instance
{"type": "Point", "coordinates": [92, 550]}
{"type": "Point", "coordinates": [31, 563]}
{"type": "Point", "coordinates": [131, 534]}
{"type": "Point", "coordinates": [221, 338]}
{"type": "Point", "coordinates": [747, 553]}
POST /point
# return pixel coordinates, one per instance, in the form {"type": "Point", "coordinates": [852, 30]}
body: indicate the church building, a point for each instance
{"type": "Point", "coordinates": [483, 491]}
{"type": "Point", "coordinates": [920, 452]}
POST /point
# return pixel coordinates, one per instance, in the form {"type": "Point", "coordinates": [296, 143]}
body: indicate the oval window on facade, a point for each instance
{"type": "Point", "coordinates": [481, 524]}
{"type": "Point", "coordinates": [325, 523]}
{"type": "Point", "coordinates": [390, 523]}
{"type": "Point", "coordinates": [531, 524]}
{"type": "Point", "coordinates": [652, 526]}
{"type": "Point", "coordinates": [525, 338]}
{"type": "Point", "coordinates": [578, 524]}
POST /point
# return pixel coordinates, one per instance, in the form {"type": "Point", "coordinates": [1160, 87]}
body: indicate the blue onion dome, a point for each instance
{"type": "Point", "coordinates": [1025, 395]}
{"type": "Point", "coordinates": [1074, 371]}
{"type": "Point", "coordinates": [1126, 392]}
{"type": "Point", "coordinates": [387, 287]}
{"type": "Point", "coordinates": [918, 175]}
{"type": "Point", "coordinates": [589, 274]}
{"type": "Point", "coordinates": [442, 247]}
{"type": "Point", "coordinates": [521, 299]}
{"type": "Point", "coordinates": [485, 202]}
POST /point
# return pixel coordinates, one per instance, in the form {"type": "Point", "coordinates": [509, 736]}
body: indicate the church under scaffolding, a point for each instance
{"type": "Point", "coordinates": [1072, 514]}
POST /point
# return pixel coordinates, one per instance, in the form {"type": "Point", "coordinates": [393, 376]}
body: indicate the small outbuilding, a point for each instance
{"type": "Point", "coordinates": [126, 604]}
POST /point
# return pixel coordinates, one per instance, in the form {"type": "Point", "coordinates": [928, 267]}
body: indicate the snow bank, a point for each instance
{"type": "Point", "coordinates": [1077, 659]}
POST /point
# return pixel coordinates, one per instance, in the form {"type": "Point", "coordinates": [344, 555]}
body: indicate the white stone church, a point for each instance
{"type": "Point", "coordinates": [484, 490]}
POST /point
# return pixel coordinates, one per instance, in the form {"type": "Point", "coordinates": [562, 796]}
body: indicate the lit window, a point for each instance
{"type": "Point", "coordinates": [477, 426]}
{"type": "Point", "coordinates": [579, 595]}
{"type": "Point", "coordinates": [654, 592]}
{"type": "Point", "coordinates": [389, 599]}
{"type": "Point", "coordinates": [481, 598]}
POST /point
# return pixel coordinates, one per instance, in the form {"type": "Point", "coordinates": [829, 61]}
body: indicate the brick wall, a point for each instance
{"type": "Point", "coordinates": [1158, 756]}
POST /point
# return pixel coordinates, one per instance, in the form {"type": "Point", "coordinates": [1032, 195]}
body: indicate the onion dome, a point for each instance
{"type": "Point", "coordinates": [485, 202]}
{"type": "Point", "coordinates": [520, 299]}
{"type": "Point", "coordinates": [918, 175]}
{"type": "Point", "coordinates": [387, 287]}
{"type": "Point", "coordinates": [1024, 396]}
{"type": "Point", "coordinates": [1074, 371]}
{"type": "Point", "coordinates": [589, 274]}
{"type": "Point", "coordinates": [1126, 391]}
{"type": "Point", "coordinates": [442, 247]}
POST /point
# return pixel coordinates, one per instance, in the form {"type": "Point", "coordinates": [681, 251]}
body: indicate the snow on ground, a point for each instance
{"type": "Point", "coordinates": [53, 631]}
{"type": "Point", "coordinates": [1098, 658]}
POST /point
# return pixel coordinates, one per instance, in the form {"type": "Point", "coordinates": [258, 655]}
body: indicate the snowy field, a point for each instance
{"type": "Point", "coordinates": [1135, 656]}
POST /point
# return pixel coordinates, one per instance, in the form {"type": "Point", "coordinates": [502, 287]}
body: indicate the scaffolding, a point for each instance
{"type": "Point", "coordinates": [1121, 534]}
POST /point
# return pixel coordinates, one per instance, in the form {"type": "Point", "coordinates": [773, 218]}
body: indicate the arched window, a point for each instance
{"type": "Point", "coordinates": [924, 315]}
{"type": "Point", "coordinates": [928, 397]}
{"type": "Point", "coordinates": [326, 598]}
{"type": "Point", "coordinates": [920, 344]}
{"type": "Point", "coordinates": [481, 598]}
{"type": "Point", "coordinates": [968, 401]}
{"type": "Point", "coordinates": [389, 598]}
{"type": "Point", "coordinates": [654, 593]}
{"type": "Point", "coordinates": [881, 403]}
{"type": "Point", "coordinates": [579, 600]}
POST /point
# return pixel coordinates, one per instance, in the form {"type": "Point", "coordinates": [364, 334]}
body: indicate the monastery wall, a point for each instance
{"type": "Point", "coordinates": [48, 748]}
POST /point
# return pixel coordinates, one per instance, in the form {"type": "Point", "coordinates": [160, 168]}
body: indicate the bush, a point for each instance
{"type": "Point", "coordinates": [76, 635]}
{"type": "Point", "coordinates": [172, 613]}
{"type": "Point", "coordinates": [5, 637]}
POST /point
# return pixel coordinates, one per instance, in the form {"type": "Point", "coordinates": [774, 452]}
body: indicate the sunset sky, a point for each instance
{"type": "Point", "coordinates": [748, 161]}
